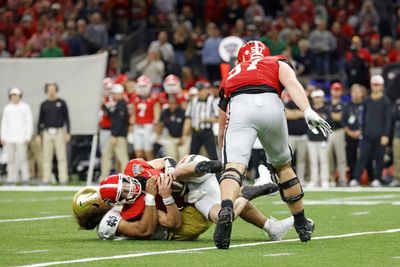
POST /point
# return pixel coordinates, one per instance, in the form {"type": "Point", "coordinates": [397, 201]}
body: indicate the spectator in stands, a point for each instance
{"type": "Point", "coordinates": [317, 146]}
{"type": "Point", "coordinates": [164, 48]}
{"type": "Point", "coordinates": [54, 133]}
{"type": "Point", "coordinates": [343, 44]}
{"type": "Point", "coordinates": [96, 31]}
{"type": "Point", "coordinates": [351, 121]}
{"type": "Point", "coordinates": [396, 143]}
{"type": "Point", "coordinates": [305, 56]}
{"type": "Point", "coordinates": [375, 51]}
{"type": "Point", "coordinates": [254, 13]}
{"type": "Point", "coordinates": [357, 70]}
{"type": "Point", "coordinates": [17, 42]}
{"type": "Point", "coordinates": [16, 133]}
{"type": "Point", "coordinates": [75, 41]}
{"type": "Point", "coordinates": [201, 113]}
{"type": "Point", "coordinates": [389, 53]}
{"type": "Point", "coordinates": [172, 118]}
{"type": "Point", "coordinates": [52, 49]}
{"type": "Point", "coordinates": [336, 140]}
{"type": "Point", "coordinates": [232, 13]}
{"type": "Point", "coordinates": [271, 39]}
{"type": "Point", "coordinates": [376, 123]}
{"type": "Point", "coordinates": [368, 17]}
{"type": "Point", "coordinates": [117, 144]}
{"type": "Point", "coordinates": [322, 44]}
{"type": "Point", "coordinates": [298, 140]}
{"type": "Point", "coordinates": [3, 52]}
{"type": "Point", "coordinates": [210, 55]}
{"type": "Point", "coordinates": [152, 66]}
{"type": "Point", "coordinates": [180, 43]}
{"type": "Point", "coordinates": [302, 11]}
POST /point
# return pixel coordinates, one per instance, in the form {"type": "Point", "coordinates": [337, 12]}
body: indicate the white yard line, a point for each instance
{"type": "Point", "coordinates": [360, 213]}
{"type": "Point", "coordinates": [76, 188]}
{"type": "Point", "coordinates": [34, 199]}
{"type": "Point", "coordinates": [278, 254]}
{"type": "Point", "coordinates": [33, 251]}
{"type": "Point", "coordinates": [36, 219]}
{"type": "Point", "coordinates": [205, 248]}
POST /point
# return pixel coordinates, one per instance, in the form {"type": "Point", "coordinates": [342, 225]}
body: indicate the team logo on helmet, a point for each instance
{"type": "Point", "coordinates": [252, 50]}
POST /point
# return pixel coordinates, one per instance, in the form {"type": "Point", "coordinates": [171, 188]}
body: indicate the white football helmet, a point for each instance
{"type": "Point", "coordinates": [172, 84]}
{"type": "Point", "coordinates": [143, 86]}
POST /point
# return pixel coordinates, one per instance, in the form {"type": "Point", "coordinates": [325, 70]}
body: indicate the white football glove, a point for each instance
{"type": "Point", "coordinates": [314, 121]}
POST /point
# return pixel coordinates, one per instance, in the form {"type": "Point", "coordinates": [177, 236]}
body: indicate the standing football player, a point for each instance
{"type": "Point", "coordinates": [146, 112]}
{"type": "Point", "coordinates": [251, 107]}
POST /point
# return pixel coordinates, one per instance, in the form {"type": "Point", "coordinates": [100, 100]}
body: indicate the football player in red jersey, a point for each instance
{"type": "Point", "coordinates": [251, 107]}
{"type": "Point", "coordinates": [172, 86]}
{"type": "Point", "coordinates": [145, 114]}
{"type": "Point", "coordinates": [186, 224]}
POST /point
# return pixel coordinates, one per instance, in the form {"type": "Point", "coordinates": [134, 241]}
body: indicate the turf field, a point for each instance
{"type": "Point", "coordinates": [352, 229]}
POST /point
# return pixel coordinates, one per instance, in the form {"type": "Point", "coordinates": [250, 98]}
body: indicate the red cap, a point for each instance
{"type": "Point", "coordinates": [337, 86]}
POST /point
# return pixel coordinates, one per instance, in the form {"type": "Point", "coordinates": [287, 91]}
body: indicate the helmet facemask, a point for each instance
{"type": "Point", "coordinates": [129, 189]}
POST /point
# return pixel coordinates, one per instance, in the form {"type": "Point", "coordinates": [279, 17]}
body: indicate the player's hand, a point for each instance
{"type": "Point", "coordinates": [315, 122]}
{"type": "Point", "coordinates": [164, 186]}
{"type": "Point", "coordinates": [384, 140]}
{"type": "Point", "coordinates": [3, 142]}
{"type": "Point", "coordinates": [169, 172]}
{"type": "Point", "coordinates": [151, 186]}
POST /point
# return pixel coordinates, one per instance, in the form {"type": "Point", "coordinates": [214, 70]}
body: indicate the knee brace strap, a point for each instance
{"type": "Point", "coordinates": [288, 184]}
{"type": "Point", "coordinates": [231, 176]}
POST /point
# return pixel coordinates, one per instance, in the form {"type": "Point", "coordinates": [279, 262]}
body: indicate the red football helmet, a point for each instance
{"type": "Point", "coordinates": [252, 50]}
{"type": "Point", "coordinates": [172, 84]}
{"type": "Point", "coordinates": [143, 86]}
{"type": "Point", "coordinates": [120, 188]}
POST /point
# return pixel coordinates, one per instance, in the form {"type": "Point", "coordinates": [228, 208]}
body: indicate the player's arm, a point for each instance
{"type": "Point", "coordinates": [157, 112]}
{"type": "Point", "coordinates": [287, 77]}
{"type": "Point", "coordinates": [171, 219]}
{"type": "Point", "coordinates": [146, 226]}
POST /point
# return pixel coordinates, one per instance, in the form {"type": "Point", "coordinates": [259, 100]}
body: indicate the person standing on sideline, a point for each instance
{"type": "Point", "coordinates": [117, 144]}
{"type": "Point", "coordinates": [16, 133]}
{"type": "Point", "coordinates": [336, 142]}
{"type": "Point", "coordinates": [351, 121]}
{"type": "Point", "coordinates": [201, 113]}
{"type": "Point", "coordinates": [396, 144]}
{"type": "Point", "coordinates": [376, 123]}
{"type": "Point", "coordinates": [54, 133]}
{"type": "Point", "coordinates": [318, 146]}
{"type": "Point", "coordinates": [251, 107]}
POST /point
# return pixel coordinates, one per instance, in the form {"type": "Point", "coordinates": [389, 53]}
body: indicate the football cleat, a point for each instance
{"type": "Point", "coordinates": [209, 166]}
{"type": "Point", "coordinates": [305, 231]}
{"type": "Point", "coordinates": [252, 192]}
{"type": "Point", "coordinates": [223, 229]}
{"type": "Point", "coordinates": [278, 229]}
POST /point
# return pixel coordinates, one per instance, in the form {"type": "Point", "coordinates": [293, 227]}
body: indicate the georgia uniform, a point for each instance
{"type": "Point", "coordinates": [144, 126]}
{"type": "Point", "coordinates": [250, 96]}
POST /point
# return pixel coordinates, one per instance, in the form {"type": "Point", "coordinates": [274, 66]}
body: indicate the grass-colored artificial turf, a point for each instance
{"type": "Point", "coordinates": [335, 213]}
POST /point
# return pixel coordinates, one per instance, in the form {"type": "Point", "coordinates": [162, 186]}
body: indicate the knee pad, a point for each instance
{"type": "Point", "coordinates": [237, 178]}
{"type": "Point", "coordinates": [288, 184]}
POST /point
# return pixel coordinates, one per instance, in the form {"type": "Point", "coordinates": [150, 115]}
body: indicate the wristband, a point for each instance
{"type": "Point", "coordinates": [168, 201]}
{"type": "Point", "coordinates": [149, 200]}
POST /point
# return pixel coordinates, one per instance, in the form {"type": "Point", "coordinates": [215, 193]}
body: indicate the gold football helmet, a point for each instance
{"type": "Point", "coordinates": [88, 207]}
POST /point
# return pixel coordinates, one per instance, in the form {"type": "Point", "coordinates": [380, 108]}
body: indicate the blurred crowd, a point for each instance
{"type": "Point", "coordinates": [167, 102]}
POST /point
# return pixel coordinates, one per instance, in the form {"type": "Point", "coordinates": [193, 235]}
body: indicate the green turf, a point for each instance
{"type": "Point", "coordinates": [64, 241]}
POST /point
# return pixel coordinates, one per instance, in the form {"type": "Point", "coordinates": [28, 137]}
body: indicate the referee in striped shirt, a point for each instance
{"type": "Point", "coordinates": [200, 114]}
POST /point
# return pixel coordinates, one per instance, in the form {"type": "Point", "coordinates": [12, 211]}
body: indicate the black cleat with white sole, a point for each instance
{"type": "Point", "coordinates": [251, 192]}
{"type": "Point", "coordinates": [305, 231]}
{"type": "Point", "coordinates": [223, 229]}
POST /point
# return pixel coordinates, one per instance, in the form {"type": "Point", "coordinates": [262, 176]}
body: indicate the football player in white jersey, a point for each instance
{"type": "Point", "coordinates": [194, 220]}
